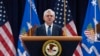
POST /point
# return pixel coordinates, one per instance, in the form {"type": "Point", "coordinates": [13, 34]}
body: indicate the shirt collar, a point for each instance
{"type": "Point", "coordinates": [48, 25]}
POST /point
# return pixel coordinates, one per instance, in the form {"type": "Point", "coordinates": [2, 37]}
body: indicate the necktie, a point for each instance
{"type": "Point", "coordinates": [49, 31]}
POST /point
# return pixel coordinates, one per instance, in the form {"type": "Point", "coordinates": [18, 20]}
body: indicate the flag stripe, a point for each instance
{"type": "Point", "coordinates": [68, 32]}
{"type": "Point", "coordinates": [1, 54]}
{"type": "Point", "coordinates": [72, 24]}
{"type": "Point", "coordinates": [78, 51]}
{"type": "Point", "coordinates": [7, 40]}
{"type": "Point", "coordinates": [4, 27]}
{"type": "Point", "coordinates": [9, 37]}
{"type": "Point", "coordinates": [8, 49]}
{"type": "Point", "coordinates": [3, 50]}
{"type": "Point", "coordinates": [68, 26]}
{"type": "Point", "coordinates": [8, 27]}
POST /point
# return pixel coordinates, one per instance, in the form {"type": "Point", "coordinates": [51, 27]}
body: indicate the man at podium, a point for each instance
{"type": "Point", "coordinates": [56, 45]}
{"type": "Point", "coordinates": [48, 28]}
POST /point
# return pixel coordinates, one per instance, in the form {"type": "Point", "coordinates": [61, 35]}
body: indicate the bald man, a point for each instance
{"type": "Point", "coordinates": [49, 28]}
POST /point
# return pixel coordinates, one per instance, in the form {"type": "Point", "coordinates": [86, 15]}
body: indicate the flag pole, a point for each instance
{"type": "Point", "coordinates": [30, 17]}
{"type": "Point", "coordinates": [64, 32]}
{"type": "Point", "coordinates": [64, 13]}
{"type": "Point", "coordinates": [95, 19]}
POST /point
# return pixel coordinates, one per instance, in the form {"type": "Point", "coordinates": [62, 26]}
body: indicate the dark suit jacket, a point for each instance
{"type": "Point", "coordinates": [41, 30]}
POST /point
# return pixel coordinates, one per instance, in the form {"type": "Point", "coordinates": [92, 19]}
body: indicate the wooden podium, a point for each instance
{"type": "Point", "coordinates": [35, 44]}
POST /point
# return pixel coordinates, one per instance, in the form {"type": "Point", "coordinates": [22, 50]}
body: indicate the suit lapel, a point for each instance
{"type": "Point", "coordinates": [44, 30]}
{"type": "Point", "coordinates": [53, 30]}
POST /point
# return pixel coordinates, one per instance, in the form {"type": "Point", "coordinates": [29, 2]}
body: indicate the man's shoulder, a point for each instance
{"type": "Point", "coordinates": [55, 25]}
{"type": "Point", "coordinates": [41, 26]}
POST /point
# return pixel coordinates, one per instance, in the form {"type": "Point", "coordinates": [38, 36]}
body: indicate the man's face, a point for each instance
{"type": "Point", "coordinates": [49, 17]}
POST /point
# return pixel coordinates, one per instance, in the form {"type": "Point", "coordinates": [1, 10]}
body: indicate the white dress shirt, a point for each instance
{"type": "Point", "coordinates": [47, 28]}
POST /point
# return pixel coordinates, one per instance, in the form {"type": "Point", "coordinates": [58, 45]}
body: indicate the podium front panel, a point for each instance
{"type": "Point", "coordinates": [35, 47]}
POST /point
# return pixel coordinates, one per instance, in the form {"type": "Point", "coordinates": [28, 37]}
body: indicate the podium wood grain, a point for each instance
{"type": "Point", "coordinates": [42, 38]}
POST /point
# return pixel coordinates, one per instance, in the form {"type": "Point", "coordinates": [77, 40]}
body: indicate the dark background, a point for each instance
{"type": "Point", "coordinates": [15, 9]}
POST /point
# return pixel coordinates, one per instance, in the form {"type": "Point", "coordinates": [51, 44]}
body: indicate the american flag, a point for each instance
{"type": "Point", "coordinates": [6, 37]}
{"type": "Point", "coordinates": [59, 11]}
{"type": "Point", "coordinates": [70, 29]}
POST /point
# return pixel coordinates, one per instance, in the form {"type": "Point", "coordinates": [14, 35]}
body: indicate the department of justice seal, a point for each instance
{"type": "Point", "coordinates": [52, 48]}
